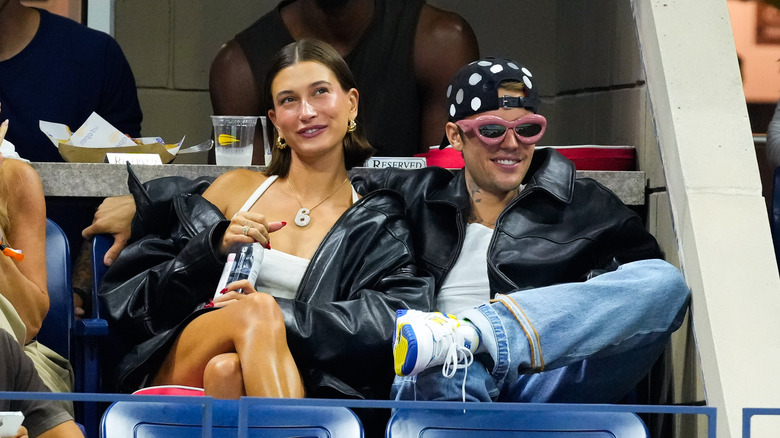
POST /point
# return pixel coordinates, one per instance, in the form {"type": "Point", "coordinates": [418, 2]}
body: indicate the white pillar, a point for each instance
{"type": "Point", "coordinates": [715, 193]}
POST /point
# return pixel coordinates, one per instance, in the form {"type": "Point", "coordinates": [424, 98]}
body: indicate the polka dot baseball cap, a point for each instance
{"type": "Point", "coordinates": [474, 88]}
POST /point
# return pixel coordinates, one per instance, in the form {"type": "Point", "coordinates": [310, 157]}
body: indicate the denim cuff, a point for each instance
{"type": "Point", "coordinates": [493, 333]}
{"type": "Point", "coordinates": [526, 346]}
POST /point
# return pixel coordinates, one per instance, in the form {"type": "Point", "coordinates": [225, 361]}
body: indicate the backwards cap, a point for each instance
{"type": "Point", "coordinates": [474, 88]}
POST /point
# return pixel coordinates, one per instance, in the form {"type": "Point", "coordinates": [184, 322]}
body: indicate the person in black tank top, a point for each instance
{"type": "Point", "coordinates": [402, 54]}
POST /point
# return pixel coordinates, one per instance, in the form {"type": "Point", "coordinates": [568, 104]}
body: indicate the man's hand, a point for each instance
{"type": "Point", "coordinates": [113, 216]}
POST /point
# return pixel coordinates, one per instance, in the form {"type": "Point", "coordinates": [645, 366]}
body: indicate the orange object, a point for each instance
{"type": "Point", "coordinates": [15, 254]}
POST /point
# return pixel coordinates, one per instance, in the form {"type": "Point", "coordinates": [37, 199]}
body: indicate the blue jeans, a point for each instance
{"type": "Point", "coordinates": [574, 342]}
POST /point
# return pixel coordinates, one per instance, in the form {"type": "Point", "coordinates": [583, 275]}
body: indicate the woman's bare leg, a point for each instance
{"type": "Point", "coordinates": [222, 377]}
{"type": "Point", "coordinates": [253, 328]}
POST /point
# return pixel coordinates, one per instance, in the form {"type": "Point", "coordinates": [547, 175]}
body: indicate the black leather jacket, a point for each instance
{"type": "Point", "coordinates": [339, 326]}
{"type": "Point", "coordinates": [559, 229]}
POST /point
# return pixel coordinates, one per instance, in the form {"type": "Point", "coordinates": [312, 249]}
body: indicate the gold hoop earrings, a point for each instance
{"type": "Point", "coordinates": [280, 143]}
{"type": "Point", "coordinates": [352, 126]}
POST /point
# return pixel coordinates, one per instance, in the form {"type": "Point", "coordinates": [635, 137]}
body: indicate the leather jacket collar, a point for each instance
{"type": "Point", "coordinates": [551, 173]}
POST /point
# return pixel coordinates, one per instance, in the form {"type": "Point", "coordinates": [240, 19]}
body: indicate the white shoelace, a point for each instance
{"type": "Point", "coordinates": [452, 363]}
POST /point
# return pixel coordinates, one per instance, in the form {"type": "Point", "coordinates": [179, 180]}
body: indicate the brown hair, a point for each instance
{"type": "Point", "coordinates": [357, 149]}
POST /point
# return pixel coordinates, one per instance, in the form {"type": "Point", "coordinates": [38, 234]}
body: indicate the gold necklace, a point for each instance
{"type": "Point", "coordinates": [302, 218]}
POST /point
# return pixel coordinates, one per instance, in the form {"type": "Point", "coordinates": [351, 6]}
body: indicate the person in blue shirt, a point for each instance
{"type": "Point", "coordinates": [57, 70]}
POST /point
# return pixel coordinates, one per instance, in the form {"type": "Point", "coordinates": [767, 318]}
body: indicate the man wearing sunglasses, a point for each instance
{"type": "Point", "coordinates": [560, 292]}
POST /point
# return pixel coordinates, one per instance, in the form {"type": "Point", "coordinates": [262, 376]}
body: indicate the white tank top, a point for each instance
{"type": "Point", "coordinates": [467, 284]}
{"type": "Point", "coordinates": [280, 273]}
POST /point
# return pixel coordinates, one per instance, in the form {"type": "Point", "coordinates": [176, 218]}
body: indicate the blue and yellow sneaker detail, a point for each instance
{"type": "Point", "coordinates": [427, 339]}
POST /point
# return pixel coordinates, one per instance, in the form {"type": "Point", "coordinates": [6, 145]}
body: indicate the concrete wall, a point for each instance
{"type": "Point", "coordinates": [587, 59]}
{"type": "Point", "coordinates": [170, 46]}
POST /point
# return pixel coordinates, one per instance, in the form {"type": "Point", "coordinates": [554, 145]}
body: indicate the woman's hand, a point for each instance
{"type": "Point", "coordinates": [248, 227]}
{"type": "Point", "coordinates": [234, 292]}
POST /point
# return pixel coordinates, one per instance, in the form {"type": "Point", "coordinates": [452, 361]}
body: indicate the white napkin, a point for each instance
{"type": "Point", "coordinates": [8, 150]}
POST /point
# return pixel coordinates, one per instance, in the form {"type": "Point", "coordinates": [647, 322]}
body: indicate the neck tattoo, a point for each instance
{"type": "Point", "coordinates": [477, 198]}
{"type": "Point", "coordinates": [302, 218]}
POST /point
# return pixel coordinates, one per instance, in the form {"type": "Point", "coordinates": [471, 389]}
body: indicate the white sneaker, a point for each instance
{"type": "Point", "coordinates": [427, 339]}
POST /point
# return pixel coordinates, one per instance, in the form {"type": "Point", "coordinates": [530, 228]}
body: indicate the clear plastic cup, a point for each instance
{"type": "Point", "coordinates": [234, 139]}
{"type": "Point", "coordinates": [266, 144]}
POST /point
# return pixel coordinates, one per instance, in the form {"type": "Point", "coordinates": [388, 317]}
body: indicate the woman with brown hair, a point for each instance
{"type": "Point", "coordinates": [325, 299]}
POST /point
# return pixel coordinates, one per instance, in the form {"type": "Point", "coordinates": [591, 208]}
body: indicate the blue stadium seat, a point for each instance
{"type": "Point", "coordinates": [75, 340]}
{"type": "Point", "coordinates": [97, 352]}
{"type": "Point", "coordinates": [57, 328]}
{"type": "Point", "coordinates": [172, 419]}
{"type": "Point", "coordinates": [419, 423]}
{"type": "Point", "coordinates": [60, 331]}
{"type": "Point", "coordinates": [91, 333]}
{"type": "Point", "coordinates": [100, 245]}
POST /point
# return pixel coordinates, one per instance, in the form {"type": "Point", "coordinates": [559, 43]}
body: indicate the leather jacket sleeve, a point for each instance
{"type": "Point", "coordinates": [625, 240]}
{"type": "Point", "coordinates": [153, 201]}
{"type": "Point", "coordinates": [158, 280]}
{"type": "Point", "coordinates": [632, 242]}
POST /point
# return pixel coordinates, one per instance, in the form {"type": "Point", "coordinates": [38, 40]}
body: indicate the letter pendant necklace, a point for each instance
{"type": "Point", "coordinates": [302, 218]}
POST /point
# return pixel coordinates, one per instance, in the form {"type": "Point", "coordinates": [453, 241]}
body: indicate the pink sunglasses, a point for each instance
{"type": "Point", "coordinates": [492, 129]}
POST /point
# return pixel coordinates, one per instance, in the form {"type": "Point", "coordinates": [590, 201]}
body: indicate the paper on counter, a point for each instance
{"type": "Point", "coordinates": [96, 137]}
{"type": "Point", "coordinates": [95, 132]}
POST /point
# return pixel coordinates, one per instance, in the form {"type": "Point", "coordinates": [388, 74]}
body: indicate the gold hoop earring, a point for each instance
{"type": "Point", "coordinates": [352, 126]}
{"type": "Point", "coordinates": [280, 143]}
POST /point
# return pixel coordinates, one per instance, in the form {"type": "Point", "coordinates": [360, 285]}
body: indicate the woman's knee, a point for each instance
{"type": "Point", "coordinates": [223, 378]}
{"type": "Point", "coordinates": [262, 313]}
{"type": "Point", "coordinates": [223, 366]}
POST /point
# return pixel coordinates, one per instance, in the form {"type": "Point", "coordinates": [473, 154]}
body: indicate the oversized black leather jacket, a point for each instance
{"type": "Point", "coordinates": [339, 326]}
{"type": "Point", "coordinates": [559, 229]}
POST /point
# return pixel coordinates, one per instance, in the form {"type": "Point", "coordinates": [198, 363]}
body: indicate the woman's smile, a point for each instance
{"type": "Point", "coordinates": [312, 131]}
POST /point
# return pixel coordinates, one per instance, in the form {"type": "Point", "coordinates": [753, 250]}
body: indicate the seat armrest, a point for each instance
{"type": "Point", "coordinates": [91, 327]}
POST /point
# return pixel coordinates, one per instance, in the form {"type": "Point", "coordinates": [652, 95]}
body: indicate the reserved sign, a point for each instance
{"type": "Point", "coordinates": [122, 158]}
{"type": "Point", "coordinates": [400, 162]}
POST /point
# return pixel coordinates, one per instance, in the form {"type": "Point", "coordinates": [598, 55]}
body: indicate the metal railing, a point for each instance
{"type": "Point", "coordinates": [207, 404]}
